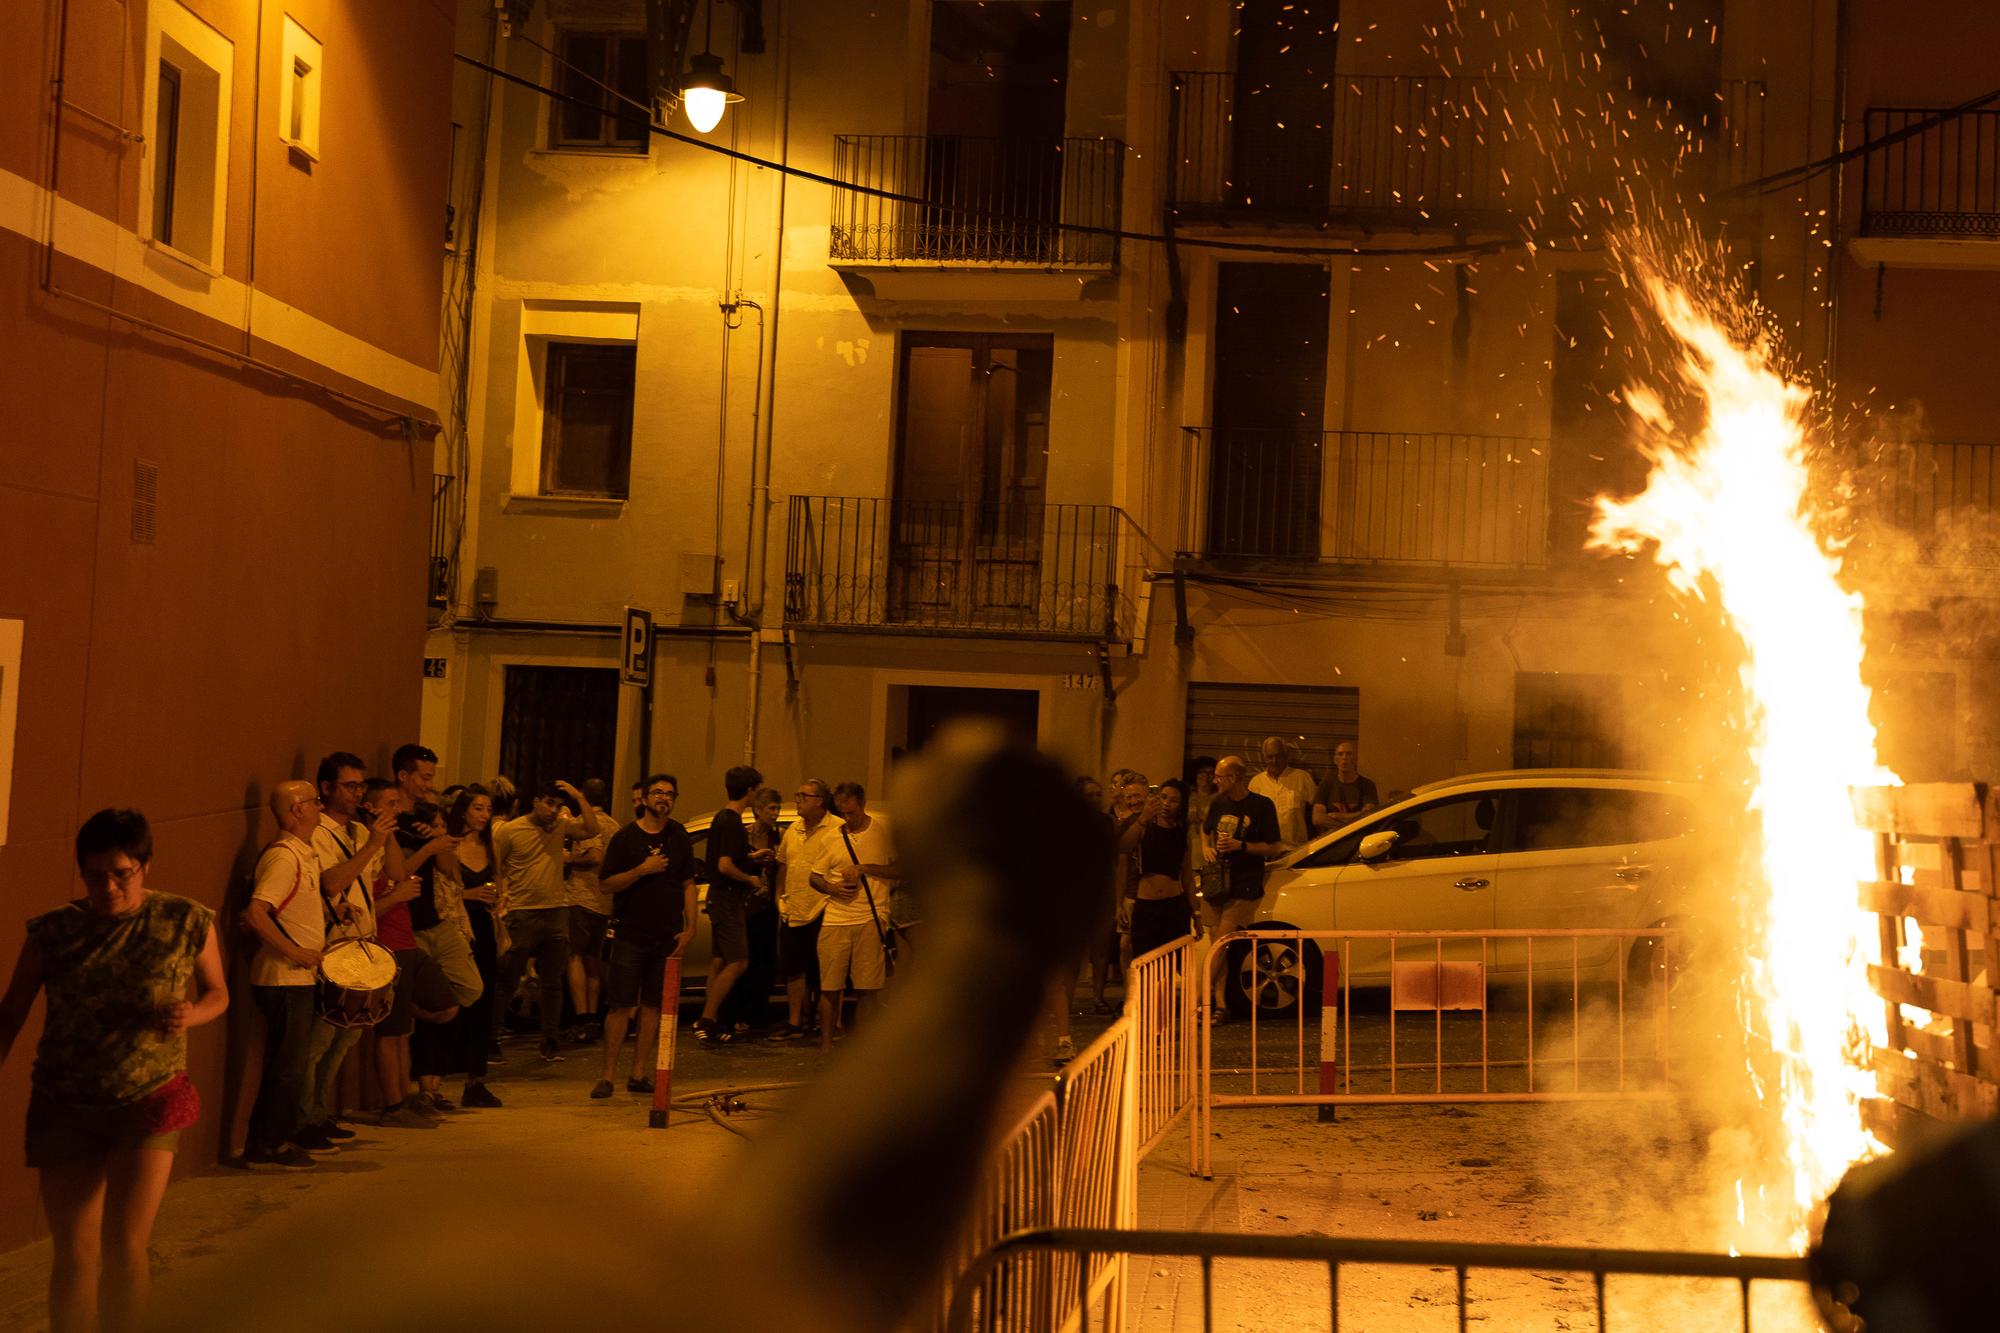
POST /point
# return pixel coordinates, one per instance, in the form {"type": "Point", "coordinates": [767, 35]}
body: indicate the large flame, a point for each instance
{"type": "Point", "coordinates": [1730, 511]}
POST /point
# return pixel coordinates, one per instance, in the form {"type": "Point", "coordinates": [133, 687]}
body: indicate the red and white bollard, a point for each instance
{"type": "Point", "coordinates": [663, 1060]}
{"type": "Point", "coordinates": [1329, 1031]}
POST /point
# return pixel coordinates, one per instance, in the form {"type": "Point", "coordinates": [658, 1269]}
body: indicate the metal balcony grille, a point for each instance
{"type": "Point", "coordinates": [1366, 497]}
{"type": "Point", "coordinates": [1403, 150]}
{"type": "Point", "coordinates": [1033, 570]}
{"type": "Point", "coordinates": [1941, 182]}
{"type": "Point", "coordinates": [976, 202]}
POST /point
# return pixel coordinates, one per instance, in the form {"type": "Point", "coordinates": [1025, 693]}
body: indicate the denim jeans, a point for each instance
{"type": "Point", "coordinates": [543, 935]}
{"type": "Point", "coordinates": [285, 1087]}
{"type": "Point", "coordinates": [330, 1046]}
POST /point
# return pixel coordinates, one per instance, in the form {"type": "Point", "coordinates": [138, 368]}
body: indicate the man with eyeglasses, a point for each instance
{"type": "Point", "coordinates": [351, 855]}
{"type": "Point", "coordinates": [288, 918]}
{"type": "Point", "coordinates": [801, 906]}
{"type": "Point", "coordinates": [648, 869]}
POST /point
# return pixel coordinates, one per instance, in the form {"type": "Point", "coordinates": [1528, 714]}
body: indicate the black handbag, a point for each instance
{"type": "Point", "coordinates": [887, 935]}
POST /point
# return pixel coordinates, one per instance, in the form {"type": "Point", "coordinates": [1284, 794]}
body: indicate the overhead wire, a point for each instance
{"type": "Point", "coordinates": [1769, 183]}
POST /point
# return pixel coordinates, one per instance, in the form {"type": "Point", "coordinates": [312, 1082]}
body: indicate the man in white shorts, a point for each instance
{"type": "Point", "coordinates": [857, 872]}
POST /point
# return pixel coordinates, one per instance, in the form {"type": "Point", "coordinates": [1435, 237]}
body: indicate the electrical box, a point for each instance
{"type": "Point", "coordinates": [698, 575]}
{"type": "Point", "coordinates": [486, 587]}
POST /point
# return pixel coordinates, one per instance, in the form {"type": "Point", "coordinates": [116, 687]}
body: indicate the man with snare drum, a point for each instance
{"type": "Point", "coordinates": [350, 854]}
{"type": "Point", "coordinates": [288, 917]}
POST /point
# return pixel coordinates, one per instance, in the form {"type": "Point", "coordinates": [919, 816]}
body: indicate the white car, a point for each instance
{"type": "Point", "coordinates": [1530, 849]}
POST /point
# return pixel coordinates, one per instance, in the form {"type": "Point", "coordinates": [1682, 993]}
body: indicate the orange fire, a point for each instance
{"type": "Point", "coordinates": [1729, 514]}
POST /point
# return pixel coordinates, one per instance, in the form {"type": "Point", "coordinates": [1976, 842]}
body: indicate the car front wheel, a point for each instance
{"type": "Point", "coordinates": [1273, 975]}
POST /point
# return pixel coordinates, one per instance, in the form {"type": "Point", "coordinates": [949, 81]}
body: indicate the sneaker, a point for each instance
{"type": "Point", "coordinates": [440, 1102]}
{"type": "Point", "coordinates": [284, 1157]}
{"type": "Point", "coordinates": [1065, 1050]}
{"type": "Point", "coordinates": [551, 1053]}
{"type": "Point", "coordinates": [317, 1144]}
{"type": "Point", "coordinates": [404, 1116]}
{"type": "Point", "coordinates": [420, 1102]}
{"type": "Point", "coordinates": [478, 1094]}
{"type": "Point", "coordinates": [710, 1031]}
{"type": "Point", "coordinates": [790, 1033]}
{"type": "Point", "coordinates": [335, 1131]}
{"type": "Point", "coordinates": [579, 1035]}
{"type": "Point", "coordinates": [600, 1090]}
{"type": "Point", "coordinates": [644, 1085]}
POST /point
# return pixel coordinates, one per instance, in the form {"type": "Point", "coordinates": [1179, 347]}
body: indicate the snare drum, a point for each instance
{"type": "Point", "coordinates": [357, 984]}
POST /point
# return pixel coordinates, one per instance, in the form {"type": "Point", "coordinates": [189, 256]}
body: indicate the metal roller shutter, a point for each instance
{"type": "Point", "coordinates": [1235, 719]}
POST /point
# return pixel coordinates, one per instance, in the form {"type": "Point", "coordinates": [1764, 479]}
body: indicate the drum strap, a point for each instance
{"type": "Point", "coordinates": [367, 903]}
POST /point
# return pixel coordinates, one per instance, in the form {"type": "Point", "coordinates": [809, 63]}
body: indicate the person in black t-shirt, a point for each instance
{"type": "Point", "coordinates": [1239, 833]}
{"type": "Point", "coordinates": [1345, 795]}
{"type": "Point", "coordinates": [735, 872]}
{"type": "Point", "coordinates": [648, 869]}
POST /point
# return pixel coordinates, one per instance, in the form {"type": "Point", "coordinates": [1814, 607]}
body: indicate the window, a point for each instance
{"type": "Point", "coordinates": [1461, 826]}
{"type": "Point", "coordinates": [1547, 819]}
{"type": "Point", "coordinates": [1566, 721]}
{"type": "Point", "coordinates": [298, 97]}
{"type": "Point", "coordinates": [183, 189]}
{"type": "Point", "coordinates": [606, 92]}
{"type": "Point", "coordinates": [587, 419]}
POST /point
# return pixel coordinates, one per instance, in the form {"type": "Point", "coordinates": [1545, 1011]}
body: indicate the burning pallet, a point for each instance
{"type": "Point", "coordinates": [1938, 865]}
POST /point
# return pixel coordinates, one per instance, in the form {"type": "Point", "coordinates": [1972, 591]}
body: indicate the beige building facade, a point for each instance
{"type": "Point", "coordinates": [1150, 382]}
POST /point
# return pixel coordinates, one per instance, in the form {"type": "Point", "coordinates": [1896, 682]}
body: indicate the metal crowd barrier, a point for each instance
{"type": "Point", "coordinates": [1161, 988]}
{"type": "Point", "coordinates": [1058, 1311]}
{"type": "Point", "coordinates": [1432, 973]}
{"type": "Point", "coordinates": [1068, 1161]}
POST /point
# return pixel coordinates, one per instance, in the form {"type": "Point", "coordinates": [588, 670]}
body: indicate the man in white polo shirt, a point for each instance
{"type": "Point", "coordinates": [857, 872]}
{"type": "Point", "coordinates": [288, 916]}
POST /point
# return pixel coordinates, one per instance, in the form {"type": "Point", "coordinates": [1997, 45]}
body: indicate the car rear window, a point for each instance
{"type": "Point", "coordinates": [1548, 818]}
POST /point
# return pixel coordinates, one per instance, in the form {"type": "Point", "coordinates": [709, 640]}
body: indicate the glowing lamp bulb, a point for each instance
{"type": "Point", "coordinates": [706, 91]}
{"type": "Point", "coordinates": [704, 108]}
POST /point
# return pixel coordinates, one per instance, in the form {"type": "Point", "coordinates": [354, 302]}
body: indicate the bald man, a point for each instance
{"type": "Point", "coordinates": [288, 918]}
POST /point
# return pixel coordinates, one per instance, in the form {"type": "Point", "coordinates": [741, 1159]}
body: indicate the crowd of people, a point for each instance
{"type": "Point", "coordinates": [461, 896]}
{"type": "Point", "coordinates": [1193, 850]}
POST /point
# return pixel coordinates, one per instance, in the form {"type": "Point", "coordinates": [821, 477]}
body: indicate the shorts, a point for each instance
{"type": "Point", "coordinates": [729, 923]}
{"type": "Point", "coordinates": [850, 954]}
{"type": "Point", "coordinates": [586, 933]}
{"type": "Point", "coordinates": [59, 1133]}
{"type": "Point", "coordinates": [1229, 916]}
{"type": "Point", "coordinates": [636, 973]}
{"type": "Point", "coordinates": [798, 952]}
{"type": "Point", "coordinates": [420, 984]}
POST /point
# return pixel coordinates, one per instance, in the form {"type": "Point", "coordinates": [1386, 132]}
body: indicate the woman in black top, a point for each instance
{"type": "Point", "coordinates": [1163, 905]}
{"type": "Point", "coordinates": [468, 1038]}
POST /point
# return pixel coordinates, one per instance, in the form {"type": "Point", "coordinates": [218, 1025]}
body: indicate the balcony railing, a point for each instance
{"type": "Point", "coordinates": [1366, 497]}
{"type": "Point", "coordinates": [1030, 570]}
{"type": "Point", "coordinates": [972, 202]}
{"type": "Point", "coordinates": [1942, 496]}
{"type": "Point", "coordinates": [1403, 150]}
{"type": "Point", "coordinates": [1943, 181]}
{"type": "Point", "coordinates": [445, 526]}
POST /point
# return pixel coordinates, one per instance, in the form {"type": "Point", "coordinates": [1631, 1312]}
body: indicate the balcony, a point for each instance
{"type": "Point", "coordinates": [1423, 151]}
{"type": "Point", "coordinates": [1366, 498]}
{"type": "Point", "coordinates": [1932, 198]}
{"type": "Point", "coordinates": [1939, 502]}
{"type": "Point", "coordinates": [961, 202]}
{"type": "Point", "coordinates": [1042, 571]}
{"type": "Point", "coordinates": [446, 523]}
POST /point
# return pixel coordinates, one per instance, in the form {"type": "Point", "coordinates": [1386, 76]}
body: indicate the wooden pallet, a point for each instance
{"type": "Point", "coordinates": [1937, 851]}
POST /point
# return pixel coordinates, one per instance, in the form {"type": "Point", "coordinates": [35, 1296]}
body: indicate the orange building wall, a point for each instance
{"type": "Point", "coordinates": [279, 614]}
{"type": "Point", "coordinates": [1930, 345]}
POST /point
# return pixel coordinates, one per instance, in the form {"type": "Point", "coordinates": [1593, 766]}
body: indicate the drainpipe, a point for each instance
{"type": "Point", "coordinates": [1839, 200]}
{"type": "Point", "coordinates": [757, 532]}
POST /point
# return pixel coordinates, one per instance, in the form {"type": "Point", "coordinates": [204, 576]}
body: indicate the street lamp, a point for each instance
{"type": "Point", "coordinates": [705, 91]}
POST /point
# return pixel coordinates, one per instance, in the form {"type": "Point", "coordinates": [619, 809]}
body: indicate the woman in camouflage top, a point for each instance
{"type": "Point", "coordinates": [110, 1092]}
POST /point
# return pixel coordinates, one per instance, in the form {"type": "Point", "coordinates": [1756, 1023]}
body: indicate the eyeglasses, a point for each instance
{"type": "Point", "coordinates": [662, 791]}
{"type": "Point", "coordinates": [808, 796]}
{"type": "Point", "coordinates": [352, 786]}
{"type": "Point", "coordinates": [98, 879]}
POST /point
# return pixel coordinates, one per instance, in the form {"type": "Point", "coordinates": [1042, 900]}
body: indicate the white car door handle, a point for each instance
{"type": "Point", "coordinates": [1632, 873]}
{"type": "Point", "coordinates": [1473, 884]}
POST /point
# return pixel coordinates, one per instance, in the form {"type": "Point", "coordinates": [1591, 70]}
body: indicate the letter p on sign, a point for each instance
{"type": "Point", "coordinates": [636, 666]}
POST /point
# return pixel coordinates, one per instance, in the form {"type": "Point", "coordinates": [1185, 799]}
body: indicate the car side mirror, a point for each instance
{"type": "Point", "coordinates": [1376, 845]}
